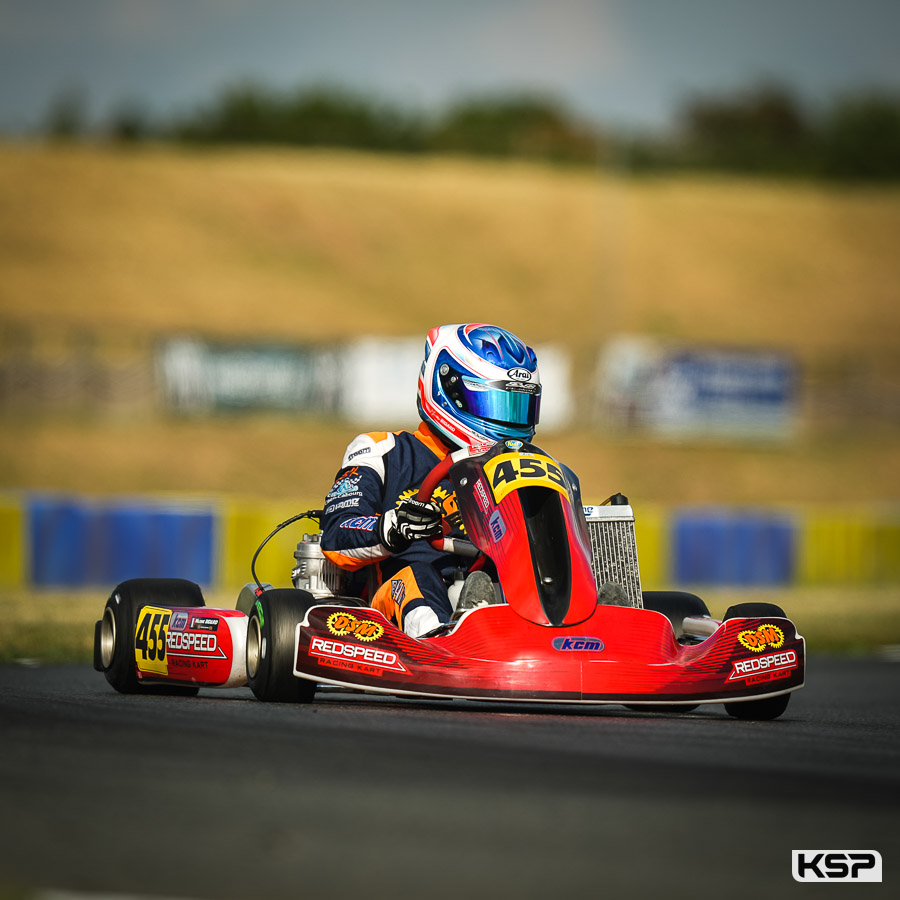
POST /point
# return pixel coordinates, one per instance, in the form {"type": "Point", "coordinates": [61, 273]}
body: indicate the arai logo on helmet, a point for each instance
{"type": "Point", "coordinates": [518, 375]}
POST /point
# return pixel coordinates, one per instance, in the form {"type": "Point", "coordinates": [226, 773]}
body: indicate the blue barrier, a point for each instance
{"type": "Point", "coordinates": [73, 544]}
{"type": "Point", "coordinates": [733, 548]}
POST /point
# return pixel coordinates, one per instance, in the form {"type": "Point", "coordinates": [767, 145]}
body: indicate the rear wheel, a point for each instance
{"type": "Point", "coordinates": [272, 646]}
{"type": "Point", "coordinates": [769, 707]}
{"type": "Point", "coordinates": [114, 633]}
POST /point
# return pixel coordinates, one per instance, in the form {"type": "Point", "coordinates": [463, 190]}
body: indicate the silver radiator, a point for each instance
{"type": "Point", "coordinates": [614, 558]}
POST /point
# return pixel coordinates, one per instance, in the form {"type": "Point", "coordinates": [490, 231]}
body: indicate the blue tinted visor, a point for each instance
{"type": "Point", "coordinates": [509, 404]}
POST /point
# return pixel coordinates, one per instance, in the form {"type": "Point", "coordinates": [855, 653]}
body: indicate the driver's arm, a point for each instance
{"type": "Point", "coordinates": [351, 537]}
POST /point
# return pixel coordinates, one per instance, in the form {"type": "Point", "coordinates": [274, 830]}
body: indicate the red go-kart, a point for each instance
{"type": "Point", "coordinates": [570, 624]}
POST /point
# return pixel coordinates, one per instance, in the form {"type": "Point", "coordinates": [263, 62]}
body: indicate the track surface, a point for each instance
{"type": "Point", "coordinates": [221, 796]}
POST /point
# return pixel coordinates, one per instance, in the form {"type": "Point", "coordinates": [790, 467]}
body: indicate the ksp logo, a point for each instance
{"type": "Point", "coordinates": [836, 865]}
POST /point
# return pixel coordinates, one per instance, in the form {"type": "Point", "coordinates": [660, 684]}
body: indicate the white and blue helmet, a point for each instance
{"type": "Point", "coordinates": [479, 384]}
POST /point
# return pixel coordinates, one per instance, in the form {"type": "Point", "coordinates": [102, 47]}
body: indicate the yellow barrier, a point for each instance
{"type": "Point", "coordinates": [651, 533]}
{"type": "Point", "coordinates": [841, 546]}
{"type": "Point", "coordinates": [13, 528]}
{"type": "Point", "coordinates": [244, 525]}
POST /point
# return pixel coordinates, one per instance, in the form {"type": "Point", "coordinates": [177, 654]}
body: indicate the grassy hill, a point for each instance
{"type": "Point", "coordinates": [307, 247]}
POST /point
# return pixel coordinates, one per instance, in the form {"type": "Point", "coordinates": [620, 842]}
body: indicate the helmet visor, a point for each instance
{"type": "Point", "coordinates": [508, 403]}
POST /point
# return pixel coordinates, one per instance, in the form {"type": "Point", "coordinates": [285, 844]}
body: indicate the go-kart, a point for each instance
{"type": "Point", "coordinates": [570, 624]}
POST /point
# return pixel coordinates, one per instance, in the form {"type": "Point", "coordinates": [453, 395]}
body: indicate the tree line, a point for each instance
{"type": "Point", "coordinates": [764, 129]}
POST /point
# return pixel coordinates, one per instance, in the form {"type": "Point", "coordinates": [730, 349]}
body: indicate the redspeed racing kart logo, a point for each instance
{"type": "Point", "coordinates": [369, 660]}
{"type": "Point", "coordinates": [341, 624]}
{"type": "Point", "coordinates": [757, 639]}
{"type": "Point", "coordinates": [757, 669]}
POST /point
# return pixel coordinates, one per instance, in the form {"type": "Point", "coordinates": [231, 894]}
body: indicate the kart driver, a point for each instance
{"type": "Point", "coordinates": [478, 384]}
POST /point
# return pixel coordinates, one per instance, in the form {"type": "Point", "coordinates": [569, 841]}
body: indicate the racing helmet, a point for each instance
{"type": "Point", "coordinates": [479, 384]}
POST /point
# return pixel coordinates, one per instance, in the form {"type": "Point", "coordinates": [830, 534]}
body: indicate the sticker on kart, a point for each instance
{"type": "Point", "coordinates": [162, 642]}
{"type": "Point", "coordinates": [759, 669]}
{"type": "Point", "coordinates": [512, 471]}
{"type": "Point", "coordinates": [355, 657]}
{"type": "Point", "coordinates": [150, 640]}
{"type": "Point", "coordinates": [759, 639]}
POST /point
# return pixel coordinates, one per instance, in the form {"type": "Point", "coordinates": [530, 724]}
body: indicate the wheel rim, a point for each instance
{"type": "Point", "coordinates": [107, 638]}
{"type": "Point", "coordinates": [254, 645]}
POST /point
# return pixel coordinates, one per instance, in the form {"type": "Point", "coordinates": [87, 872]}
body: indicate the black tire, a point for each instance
{"type": "Point", "coordinates": [271, 647]}
{"type": "Point", "coordinates": [754, 611]}
{"type": "Point", "coordinates": [114, 633]}
{"type": "Point", "coordinates": [769, 707]}
{"type": "Point", "coordinates": [676, 606]}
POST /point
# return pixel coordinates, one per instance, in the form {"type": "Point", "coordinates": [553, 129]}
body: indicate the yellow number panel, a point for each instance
{"type": "Point", "coordinates": [150, 640]}
{"type": "Point", "coordinates": [511, 471]}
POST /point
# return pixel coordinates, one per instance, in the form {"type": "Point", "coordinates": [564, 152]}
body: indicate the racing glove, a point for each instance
{"type": "Point", "coordinates": [411, 520]}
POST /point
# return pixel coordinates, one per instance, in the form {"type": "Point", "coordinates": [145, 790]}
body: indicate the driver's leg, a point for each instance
{"type": "Point", "coordinates": [415, 599]}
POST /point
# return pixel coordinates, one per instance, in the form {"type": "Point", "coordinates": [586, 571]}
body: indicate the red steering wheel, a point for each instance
{"type": "Point", "coordinates": [458, 546]}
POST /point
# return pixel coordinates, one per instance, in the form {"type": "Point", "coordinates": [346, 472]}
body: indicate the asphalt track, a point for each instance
{"type": "Point", "coordinates": [221, 796]}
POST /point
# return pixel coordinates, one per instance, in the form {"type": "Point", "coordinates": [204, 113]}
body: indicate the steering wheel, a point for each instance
{"type": "Point", "coordinates": [459, 546]}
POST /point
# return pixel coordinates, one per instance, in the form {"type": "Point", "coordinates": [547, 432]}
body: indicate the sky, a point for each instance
{"type": "Point", "coordinates": [626, 63]}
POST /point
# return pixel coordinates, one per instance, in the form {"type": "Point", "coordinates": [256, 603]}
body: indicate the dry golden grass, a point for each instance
{"type": "Point", "coordinates": [307, 247]}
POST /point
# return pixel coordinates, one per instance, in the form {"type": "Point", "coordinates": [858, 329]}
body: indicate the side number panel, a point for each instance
{"type": "Point", "coordinates": [150, 640]}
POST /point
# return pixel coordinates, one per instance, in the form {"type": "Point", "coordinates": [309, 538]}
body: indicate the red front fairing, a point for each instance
{"type": "Point", "coordinates": [519, 509]}
{"type": "Point", "coordinates": [618, 655]}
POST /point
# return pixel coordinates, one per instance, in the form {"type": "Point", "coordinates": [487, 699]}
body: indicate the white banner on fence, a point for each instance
{"type": "Point", "coordinates": [682, 391]}
{"type": "Point", "coordinates": [370, 382]}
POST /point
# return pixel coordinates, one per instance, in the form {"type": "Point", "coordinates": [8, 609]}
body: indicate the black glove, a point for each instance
{"type": "Point", "coordinates": [411, 520]}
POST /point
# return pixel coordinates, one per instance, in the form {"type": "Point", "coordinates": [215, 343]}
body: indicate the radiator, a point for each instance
{"type": "Point", "coordinates": [614, 557]}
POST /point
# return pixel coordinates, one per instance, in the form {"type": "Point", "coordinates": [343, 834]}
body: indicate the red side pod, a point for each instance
{"type": "Point", "coordinates": [203, 646]}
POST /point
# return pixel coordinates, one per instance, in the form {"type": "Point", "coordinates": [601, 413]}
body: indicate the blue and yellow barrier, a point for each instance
{"type": "Point", "coordinates": [53, 541]}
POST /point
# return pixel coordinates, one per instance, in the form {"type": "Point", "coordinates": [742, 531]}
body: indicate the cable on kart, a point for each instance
{"type": "Point", "coordinates": [314, 514]}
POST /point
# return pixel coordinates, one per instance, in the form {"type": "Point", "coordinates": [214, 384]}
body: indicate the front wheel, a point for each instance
{"type": "Point", "coordinates": [272, 646]}
{"type": "Point", "coordinates": [676, 606]}
{"type": "Point", "coordinates": [768, 707]}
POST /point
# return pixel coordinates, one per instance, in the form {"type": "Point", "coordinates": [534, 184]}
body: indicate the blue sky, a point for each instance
{"type": "Point", "coordinates": [622, 62]}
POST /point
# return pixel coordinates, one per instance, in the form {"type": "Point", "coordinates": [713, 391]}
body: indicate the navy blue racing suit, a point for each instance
{"type": "Point", "coordinates": [378, 469]}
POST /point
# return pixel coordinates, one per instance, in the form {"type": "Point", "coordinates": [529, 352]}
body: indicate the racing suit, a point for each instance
{"type": "Point", "coordinates": [379, 469]}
